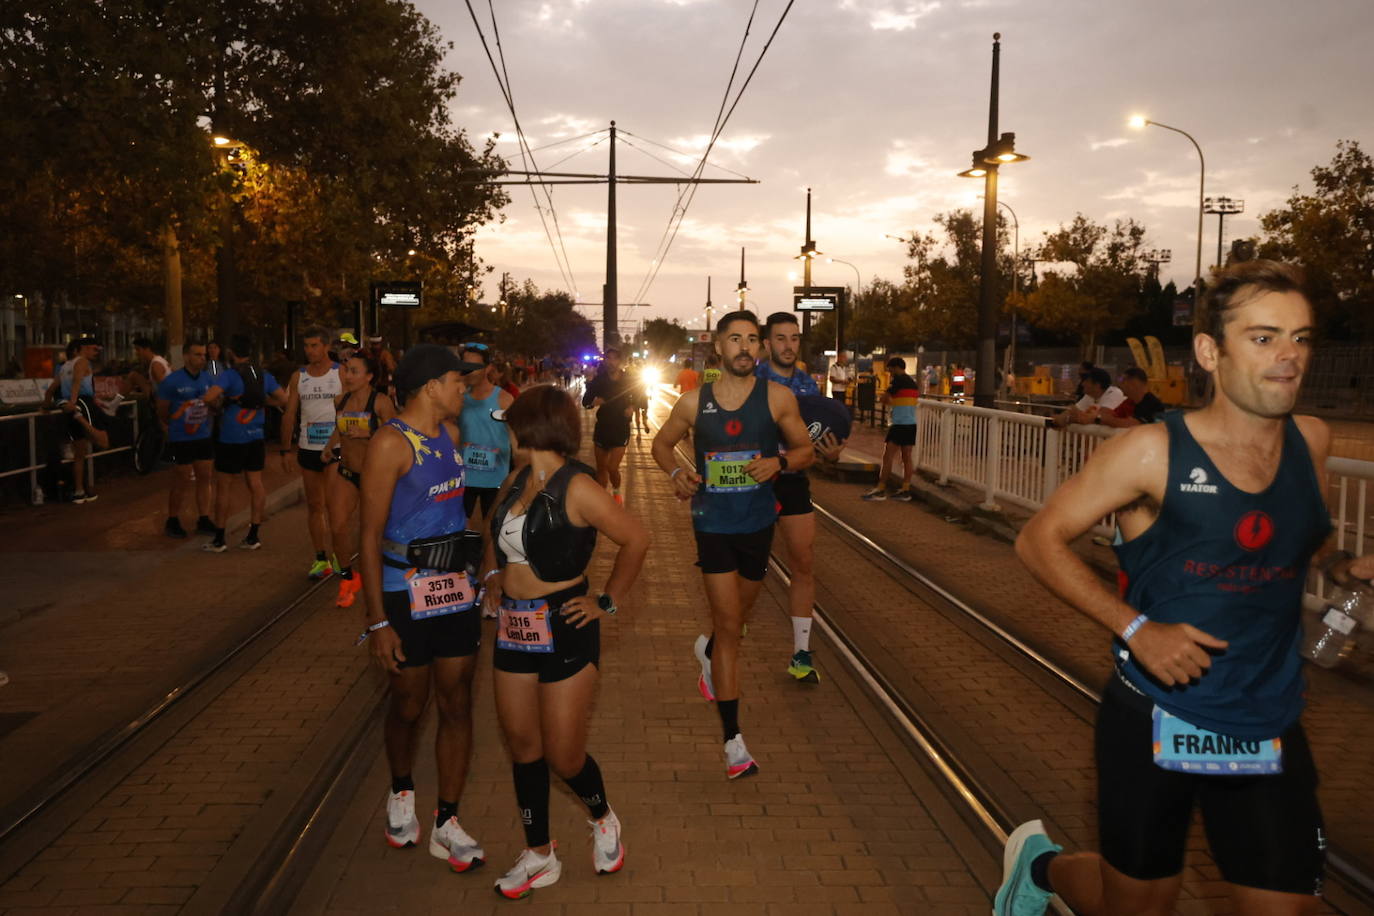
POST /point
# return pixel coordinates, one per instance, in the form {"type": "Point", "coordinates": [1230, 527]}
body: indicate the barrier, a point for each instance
{"type": "Point", "coordinates": [31, 419]}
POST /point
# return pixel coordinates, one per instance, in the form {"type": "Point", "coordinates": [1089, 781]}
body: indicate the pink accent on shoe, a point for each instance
{"type": "Point", "coordinates": [704, 690]}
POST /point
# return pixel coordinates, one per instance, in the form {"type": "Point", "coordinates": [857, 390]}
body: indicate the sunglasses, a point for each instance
{"type": "Point", "coordinates": [474, 346]}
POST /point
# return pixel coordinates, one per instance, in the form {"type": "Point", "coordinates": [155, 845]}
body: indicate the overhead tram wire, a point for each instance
{"type": "Point", "coordinates": [657, 159]}
{"type": "Point", "coordinates": [655, 267]}
{"type": "Point", "coordinates": [526, 155]}
{"type": "Point", "coordinates": [585, 149]}
{"type": "Point", "coordinates": [678, 152]}
{"type": "Point", "coordinates": [537, 149]}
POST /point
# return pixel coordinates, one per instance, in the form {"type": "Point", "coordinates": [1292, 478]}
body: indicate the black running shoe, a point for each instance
{"type": "Point", "coordinates": [173, 529]}
{"type": "Point", "coordinates": [205, 526]}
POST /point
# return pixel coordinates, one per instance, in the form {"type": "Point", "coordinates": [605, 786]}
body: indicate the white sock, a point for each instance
{"type": "Point", "coordinates": [801, 634]}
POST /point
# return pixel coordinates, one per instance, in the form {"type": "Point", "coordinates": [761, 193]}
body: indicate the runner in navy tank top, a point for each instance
{"type": "Point", "coordinates": [1220, 512]}
{"type": "Point", "coordinates": [422, 624]}
{"type": "Point", "coordinates": [737, 423]}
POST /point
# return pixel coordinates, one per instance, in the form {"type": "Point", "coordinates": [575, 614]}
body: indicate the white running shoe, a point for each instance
{"type": "Point", "coordinates": [608, 853]}
{"type": "Point", "coordinates": [402, 829]}
{"type": "Point", "coordinates": [704, 685]}
{"type": "Point", "coordinates": [452, 842]}
{"type": "Point", "coordinates": [531, 870]}
{"type": "Point", "coordinates": [738, 761]}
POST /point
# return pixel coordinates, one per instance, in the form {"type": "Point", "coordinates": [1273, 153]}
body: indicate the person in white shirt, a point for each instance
{"type": "Point", "coordinates": [841, 375]}
{"type": "Point", "coordinates": [1098, 394]}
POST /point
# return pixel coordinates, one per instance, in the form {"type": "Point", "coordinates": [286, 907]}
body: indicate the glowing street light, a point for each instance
{"type": "Point", "coordinates": [1140, 122]}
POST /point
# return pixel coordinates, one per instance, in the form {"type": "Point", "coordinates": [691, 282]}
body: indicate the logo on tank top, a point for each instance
{"type": "Point", "coordinates": [709, 408]}
{"type": "Point", "coordinates": [1254, 530]}
{"type": "Point", "coordinates": [1199, 483]}
{"type": "Point", "coordinates": [733, 428]}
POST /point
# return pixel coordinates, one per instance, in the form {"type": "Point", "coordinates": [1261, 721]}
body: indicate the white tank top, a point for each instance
{"type": "Point", "coordinates": [317, 394]}
{"type": "Point", "coordinates": [159, 361]}
{"type": "Point", "coordinates": [512, 538]}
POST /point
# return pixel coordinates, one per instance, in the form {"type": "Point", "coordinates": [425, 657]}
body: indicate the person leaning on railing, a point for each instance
{"type": "Point", "coordinates": [1099, 396]}
{"type": "Point", "coordinates": [1140, 406]}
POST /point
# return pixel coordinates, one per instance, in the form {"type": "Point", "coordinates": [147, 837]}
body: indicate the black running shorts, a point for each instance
{"type": "Point", "coordinates": [901, 434]}
{"type": "Point", "coordinates": [573, 648]}
{"type": "Point", "coordinates": [310, 459]}
{"type": "Point", "coordinates": [191, 451]}
{"type": "Point", "coordinates": [422, 641]}
{"type": "Point", "coordinates": [793, 493]}
{"type": "Point", "coordinates": [87, 408]}
{"type": "Point", "coordinates": [237, 457]}
{"type": "Point", "coordinates": [484, 495]}
{"type": "Point", "coordinates": [1265, 832]}
{"type": "Point", "coordinates": [608, 436]}
{"type": "Point", "coordinates": [746, 554]}
{"type": "Point", "coordinates": [350, 475]}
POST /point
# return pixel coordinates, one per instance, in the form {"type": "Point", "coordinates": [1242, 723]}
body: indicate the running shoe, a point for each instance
{"type": "Point", "coordinates": [738, 761]}
{"type": "Point", "coordinates": [173, 529]}
{"type": "Point", "coordinates": [320, 569]}
{"type": "Point", "coordinates": [1019, 895]}
{"type": "Point", "coordinates": [531, 870]}
{"type": "Point", "coordinates": [214, 547]}
{"type": "Point", "coordinates": [608, 853]}
{"type": "Point", "coordinates": [349, 589]}
{"type": "Point", "coordinates": [452, 842]}
{"type": "Point", "coordinates": [80, 498]}
{"type": "Point", "coordinates": [904, 495]}
{"type": "Point", "coordinates": [402, 827]}
{"type": "Point", "coordinates": [875, 495]}
{"type": "Point", "coordinates": [619, 500]}
{"type": "Point", "coordinates": [250, 543]}
{"type": "Point", "coordinates": [704, 681]}
{"type": "Point", "coordinates": [802, 668]}
{"type": "Point", "coordinates": [204, 526]}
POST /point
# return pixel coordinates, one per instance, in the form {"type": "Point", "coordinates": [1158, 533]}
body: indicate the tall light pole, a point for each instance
{"type": "Point", "coordinates": [1222, 207]}
{"type": "Point", "coordinates": [1140, 122]}
{"type": "Point", "coordinates": [1001, 150]}
{"type": "Point", "coordinates": [808, 254]}
{"type": "Point", "coordinates": [741, 291]}
{"type": "Point", "coordinates": [1015, 282]}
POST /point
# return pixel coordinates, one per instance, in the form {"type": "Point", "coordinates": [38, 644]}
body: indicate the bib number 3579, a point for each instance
{"type": "Point", "coordinates": [439, 594]}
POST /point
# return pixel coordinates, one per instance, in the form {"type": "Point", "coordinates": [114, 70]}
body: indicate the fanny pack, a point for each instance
{"type": "Point", "coordinates": [460, 551]}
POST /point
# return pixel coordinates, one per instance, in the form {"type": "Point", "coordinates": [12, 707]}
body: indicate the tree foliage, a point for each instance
{"type": "Point", "coordinates": [541, 323]}
{"type": "Point", "coordinates": [664, 337]}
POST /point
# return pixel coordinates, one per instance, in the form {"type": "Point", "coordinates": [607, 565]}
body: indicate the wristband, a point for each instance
{"type": "Point", "coordinates": [1134, 625]}
{"type": "Point", "coordinates": [371, 628]}
{"type": "Point", "coordinates": [490, 573]}
{"type": "Point", "coordinates": [674, 472]}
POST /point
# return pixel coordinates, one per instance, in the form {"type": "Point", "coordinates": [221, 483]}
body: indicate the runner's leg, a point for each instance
{"type": "Point", "coordinates": [341, 500]}
{"type": "Point", "coordinates": [223, 482]}
{"type": "Point", "coordinates": [1273, 903]}
{"type": "Point", "coordinates": [613, 459]}
{"type": "Point", "coordinates": [181, 482]}
{"type": "Point", "coordinates": [907, 467]}
{"type": "Point", "coordinates": [409, 693]}
{"type": "Point", "coordinates": [723, 593]}
{"type": "Point", "coordinates": [257, 496]}
{"type": "Point", "coordinates": [80, 449]}
{"type": "Point", "coordinates": [1091, 887]}
{"type": "Point", "coordinates": [517, 709]}
{"type": "Point", "coordinates": [889, 455]}
{"type": "Point", "coordinates": [603, 474]}
{"type": "Point", "coordinates": [799, 535]}
{"type": "Point", "coordinates": [564, 713]}
{"type": "Point", "coordinates": [315, 502]}
{"type": "Point", "coordinates": [205, 471]}
{"type": "Point", "coordinates": [453, 741]}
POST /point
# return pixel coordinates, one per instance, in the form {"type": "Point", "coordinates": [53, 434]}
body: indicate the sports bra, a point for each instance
{"type": "Point", "coordinates": [344, 419]}
{"type": "Point", "coordinates": [512, 538]}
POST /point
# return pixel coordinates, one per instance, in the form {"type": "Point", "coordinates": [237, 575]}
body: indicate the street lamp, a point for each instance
{"type": "Point", "coordinates": [858, 280]}
{"type": "Point", "coordinates": [1140, 122]}
{"type": "Point", "coordinates": [1000, 150]}
{"type": "Point", "coordinates": [1015, 282]}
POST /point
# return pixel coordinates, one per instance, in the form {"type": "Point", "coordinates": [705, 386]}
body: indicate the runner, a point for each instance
{"type": "Point", "coordinates": [183, 407]}
{"type": "Point", "coordinates": [792, 489]}
{"type": "Point", "coordinates": [311, 393]}
{"type": "Point", "coordinates": [241, 447]}
{"type": "Point", "coordinates": [735, 424]}
{"type": "Point", "coordinates": [613, 394]}
{"type": "Point", "coordinates": [359, 411]}
{"type": "Point", "coordinates": [487, 444]}
{"type": "Point", "coordinates": [75, 388]}
{"type": "Point", "coordinates": [157, 365]}
{"type": "Point", "coordinates": [548, 647]}
{"type": "Point", "coordinates": [1219, 511]}
{"type": "Point", "coordinates": [422, 624]}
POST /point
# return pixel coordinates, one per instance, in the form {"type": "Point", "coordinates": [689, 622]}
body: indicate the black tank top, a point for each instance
{"type": "Point", "coordinates": [729, 501]}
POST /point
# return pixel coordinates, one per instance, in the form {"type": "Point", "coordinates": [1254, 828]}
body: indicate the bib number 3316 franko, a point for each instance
{"type": "Point", "coordinates": [439, 593]}
{"type": "Point", "coordinates": [1186, 748]}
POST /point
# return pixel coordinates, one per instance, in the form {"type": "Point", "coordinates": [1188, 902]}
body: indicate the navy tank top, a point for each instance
{"type": "Point", "coordinates": [428, 499]}
{"type": "Point", "coordinates": [729, 501]}
{"type": "Point", "coordinates": [1232, 564]}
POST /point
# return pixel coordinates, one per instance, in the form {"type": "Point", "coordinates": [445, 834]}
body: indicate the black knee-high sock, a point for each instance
{"type": "Point", "coordinates": [729, 717]}
{"type": "Point", "coordinates": [587, 785]}
{"type": "Point", "coordinates": [532, 795]}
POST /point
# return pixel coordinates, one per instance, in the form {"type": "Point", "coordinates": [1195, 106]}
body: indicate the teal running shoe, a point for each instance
{"type": "Point", "coordinates": [1019, 895]}
{"type": "Point", "coordinates": [802, 669]}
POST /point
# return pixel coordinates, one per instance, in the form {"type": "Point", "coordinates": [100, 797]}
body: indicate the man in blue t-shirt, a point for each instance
{"type": "Point", "coordinates": [184, 399]}
{"type": "Point", "coordinates": [240, 448]}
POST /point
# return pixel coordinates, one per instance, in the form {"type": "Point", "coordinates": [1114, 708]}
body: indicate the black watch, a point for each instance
{"type": "Point", "coordinates": [604, 602]}
{"type": "Point", "coordinates": [782, 462]}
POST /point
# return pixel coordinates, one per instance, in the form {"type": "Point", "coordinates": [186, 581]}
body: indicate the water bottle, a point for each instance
{"type": "Point", "coordinates": [1347, 610]}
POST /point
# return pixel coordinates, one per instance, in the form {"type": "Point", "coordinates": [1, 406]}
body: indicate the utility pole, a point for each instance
{"type": "Point", "coordinates": [610, 311]}
{"type": "Point", "coordinates": [808, 254]}
{"type": "Point", "coordinates": [742, 291]}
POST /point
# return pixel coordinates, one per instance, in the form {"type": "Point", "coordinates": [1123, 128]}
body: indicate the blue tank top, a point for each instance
{"type": "Point", "coordinates": [428, 499]}
{"type": "Point", "coordinates": [729, 501]}
{"type": "Point", "coordinates": [800, 383]}
{"type": "Point", "coordinates": [66, 372]}
{"type": "Point", "coordinates": [1233, 565]}
{"type": "Point", "coordinates": [486, 442]}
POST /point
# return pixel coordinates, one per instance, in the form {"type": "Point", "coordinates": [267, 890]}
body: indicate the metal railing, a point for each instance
{"type": "Point", "coordinates": [32, 419]}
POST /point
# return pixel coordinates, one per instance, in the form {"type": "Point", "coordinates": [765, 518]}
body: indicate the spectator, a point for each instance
{"type": "Point", "coordinates": [900, 394]}
{"type": "Point", "coordinates": [386, 364]}
{"type": "Point", "coordinates": [841, 377]}
{"type": "Point", "coordinates": [156, 364]}
{"type": "Point", "coordinates": [1085, 369]}
{"type": "Point", "coordinates": [214, 359]}
{"type": "Point", "coordinates": [688, 378]}
{"type": "Point", "coordinates": [1141, 405]}
{"type": "Point", "coordinates": [1099, 394]}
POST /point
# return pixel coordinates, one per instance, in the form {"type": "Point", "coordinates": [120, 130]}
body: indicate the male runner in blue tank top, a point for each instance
{"type": "Point", "coordinates": [422, 624]}
{"type": "Point", "coordinates": [736, 423]}
{"type": "Point", "coordinates": [1220, 512]}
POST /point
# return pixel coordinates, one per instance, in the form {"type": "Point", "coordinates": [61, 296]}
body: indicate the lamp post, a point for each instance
{"type": "Point", "coordinates": [741, 291]}
{"type": "Point", "coordinates": [1015, 283]}
{"type": "Point", "coordinates": [1001, 150]}
{"type": "Point", "coordinates": [1140, 122]}
{"type": "Point", "coordinates": [808, 254]}
{"type": "Point", "coordinates": [839, 314]}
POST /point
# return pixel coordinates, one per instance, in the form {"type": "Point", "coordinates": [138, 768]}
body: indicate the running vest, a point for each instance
{"type": "Point", "coordinates": [1231, 564]}
{"type": "Point", "coordinates": [66, 372]}
{"type": "Point", "coordinates": [729, 501]}
{"type": "Point", "coordinates": [486, 442]}
{"type": "Point", "coordinates": [317, 394]}
{"type": "Point", "coordinates": [428, 499]}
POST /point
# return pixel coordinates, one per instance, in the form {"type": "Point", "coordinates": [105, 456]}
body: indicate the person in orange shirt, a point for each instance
{"type": "Point", "coordinates": [688, 379]}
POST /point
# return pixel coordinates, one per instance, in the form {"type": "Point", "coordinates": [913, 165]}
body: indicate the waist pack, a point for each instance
{"type": "Point", "coordinates": [460, 551]}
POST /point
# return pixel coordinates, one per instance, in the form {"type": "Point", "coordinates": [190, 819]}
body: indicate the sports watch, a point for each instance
{"type": "Point", "coordinates": [606, 604]}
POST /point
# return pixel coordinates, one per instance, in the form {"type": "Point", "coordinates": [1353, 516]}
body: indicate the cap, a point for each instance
{"type": "Point", "coordinates": [423, 362]}
{"type": "Point", "coordinates": [86, 340]}
{"type": "Point", "coordinates": [348, 338]}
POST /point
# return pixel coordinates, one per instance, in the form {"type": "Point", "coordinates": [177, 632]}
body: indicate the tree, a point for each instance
{"type": "Point", "coordinates": [664, 337]}
{"type": "Point", "coordinates": [544, 324]}
{"type": "Point", "coordinates": [1330, 232]}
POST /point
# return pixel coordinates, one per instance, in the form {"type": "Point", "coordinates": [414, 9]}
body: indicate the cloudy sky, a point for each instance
{"type": "Point", "coordinates": [876, 104]}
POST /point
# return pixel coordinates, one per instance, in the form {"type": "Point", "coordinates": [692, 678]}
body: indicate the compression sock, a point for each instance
{"type": "Point", "coordinates": [587, 785]}
{"type": "Point", "coordinates": [402, 784]}
{"type": "Point", "coordinates": [346, 572]}
{"type": "Point", "coordinates": [319, 556]}
{"type": "Point", "coordinates": [729, 717]}
{"type": "Point", "coordinates": [801, 634]}
{"type": "Point", "coordinates": [1040, 871]}
{"type": "Point", "coordinates": [532, 797]}
{"type": "Point", "coordinates": [447, 809]}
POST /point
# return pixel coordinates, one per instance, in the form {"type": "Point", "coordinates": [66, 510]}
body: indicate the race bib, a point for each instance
{"type": "Point", "coordinates": [525, 626]}
{"type": "Point", "coordinates": [317, 434]}
{"type": "Point", "coordinates": [194, 413]}
{"type": "Point", "coordinates": [1186, 748]}
{"type": "Point", "coordinates": [725, 472]}
{"type": "Point", "coordinates": [438, 594]}
{"type": "Point", "coordinates": [480, 457]}
{"type": "Point", "coordinates": [351, 420]}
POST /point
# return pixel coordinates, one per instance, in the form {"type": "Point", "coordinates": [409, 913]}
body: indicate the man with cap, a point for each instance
{"type": "Point", "coordinates": [900, 395]}
{"type": "Point", "coordinates": [422, 624]}
{"type": "Point", "coordinates": [75, 387]}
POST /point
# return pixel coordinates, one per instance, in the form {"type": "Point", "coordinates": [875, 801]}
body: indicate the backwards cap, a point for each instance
{"type": "Point", "coordinates": [421, 363]}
